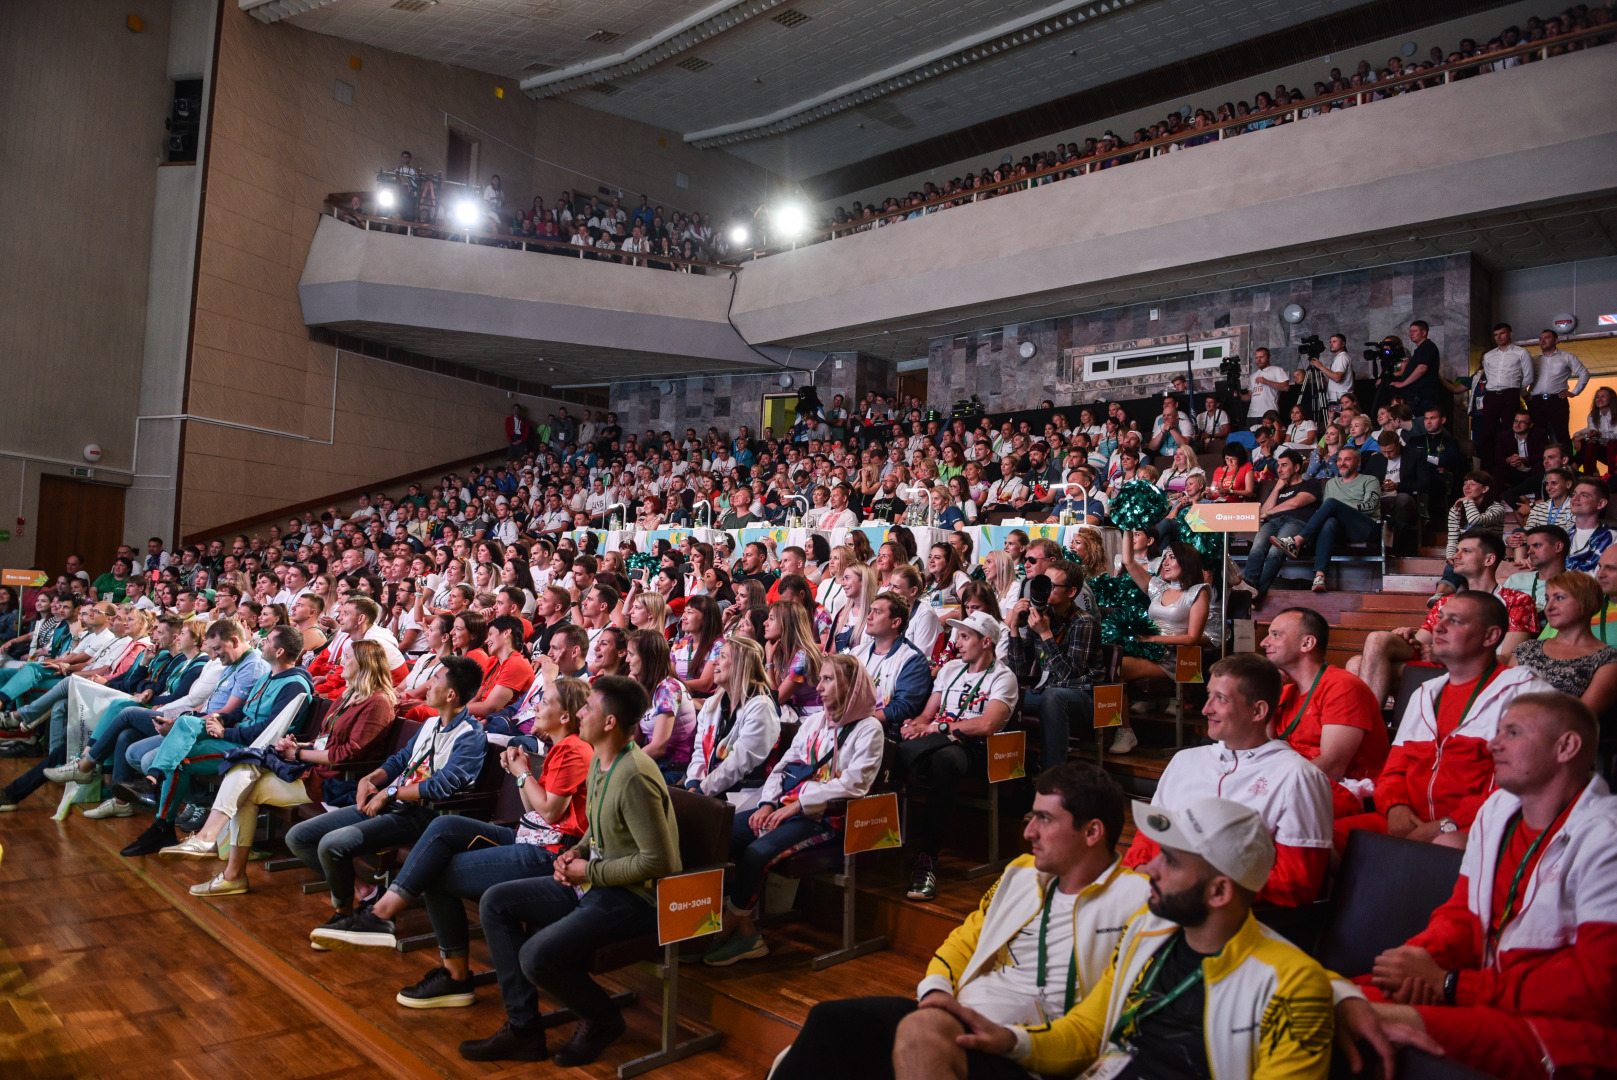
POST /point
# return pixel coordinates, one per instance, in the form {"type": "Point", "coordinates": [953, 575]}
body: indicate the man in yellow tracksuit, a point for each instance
{"type": "Point", "coordinates": [1041, 940]}
{"type": "Point", "coordinates": [1198, 988]}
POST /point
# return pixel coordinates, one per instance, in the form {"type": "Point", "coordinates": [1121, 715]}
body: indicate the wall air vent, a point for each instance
{"type": "Point", "coordinates": [603, 37]}
{"type": "Point", "coordinates": [606, 89]}
{"type": "Point", "coordinates": [694, 63]}
{"type": "Point", "coordinates": [413, 5]}
{"type": "Point", "coordinates": [538, 69]}
{"type": "Point", "coordinates": [791, 18]}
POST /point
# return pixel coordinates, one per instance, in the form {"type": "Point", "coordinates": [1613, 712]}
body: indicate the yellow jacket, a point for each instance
{"type": "Point", "coordinates": [1268, 1014]}
{"type": "Point", "coordinates": [981, 943]}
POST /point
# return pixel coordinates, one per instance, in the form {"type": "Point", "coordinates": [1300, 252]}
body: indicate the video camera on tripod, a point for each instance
{"type": "Point", "coordinates": [1384, 357]}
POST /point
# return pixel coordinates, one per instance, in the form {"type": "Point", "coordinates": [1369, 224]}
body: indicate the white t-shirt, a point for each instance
{"type": "Point", "coordinates": [924, 628]}
{"type": "Point", "coordinates": [967, 693]}
{"type": "Point", "coordinates": [1010, 993]}
{"type": "Point", "coordinates": [1340, 363]}
{"type": "Point", "coordinates": [1264, 396]}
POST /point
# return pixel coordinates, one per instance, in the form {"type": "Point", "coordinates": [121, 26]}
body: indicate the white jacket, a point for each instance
{"type": "Point", "coordinates": [848, 774]}
{"type": "Point", "coordinates": [201, 690]}
{"type": "Point", "coordinates": [1291, 796]}
{"type": "Point", "coordinates": [1102, 912]}
{"type": "Point", "coordinates": [752, 735]}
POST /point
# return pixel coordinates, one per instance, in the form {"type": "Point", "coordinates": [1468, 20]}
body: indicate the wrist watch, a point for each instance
{"type": "Point", "coordinates": [523, 779]}
{"type": "Point", "coordinates": [1451, 985]}
{"type": "Point", "coordinates": [393, 792]}
{"type": "Point", "coordinates": [941, 727]}
{"type": "Point", "coordinates": [1447, 825]}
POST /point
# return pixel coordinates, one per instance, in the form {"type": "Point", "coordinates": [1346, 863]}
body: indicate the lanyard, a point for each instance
{"type": "Point", "coordinates": [1295, 720]}
{"type": "Point", "coordinates": [964, 698]}
{"type": "Point", "coordinates": [600, 796]}
{"type": "Point", "coordinates": [1497, 930]}
{"type": "Point", "coordinates": [1044, 964]}
{"type": "Point", "coordinates": [1139, 1010]}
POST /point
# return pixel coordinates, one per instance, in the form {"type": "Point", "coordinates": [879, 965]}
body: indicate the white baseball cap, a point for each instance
{"type": "Point", "coordinates": [1231, 837]}
{"type": "Point", "coordinates": [980, 623]}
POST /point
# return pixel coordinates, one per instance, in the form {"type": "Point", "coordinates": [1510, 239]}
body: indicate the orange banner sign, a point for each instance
{"type": "Point", "coordinates": [690, 905]}
{"type": "Point", "coordinates": [872, 824]}
{"type": "Point", "coordinates": [1223, 517]}
{"type": "Point", "coordinates": [1188, 664]}
{"type": "Point", "coordinates": [1007, 755]}
{"type": "Point", "coordinates": [26, 579]}
{"type": "Point", "coordinates": [1109, 706]}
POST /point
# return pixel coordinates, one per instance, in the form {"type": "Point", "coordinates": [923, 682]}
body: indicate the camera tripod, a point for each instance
{"type": "Point", "coordinates": [1313, 397]}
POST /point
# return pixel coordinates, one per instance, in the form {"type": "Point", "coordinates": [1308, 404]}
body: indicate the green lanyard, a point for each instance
{"type": "Point", "coordinates": [1497, 930]}
{"type": "Point", "coordinates": [1138, 1010]}
{"type": "Point", "coordinates": [967, 696]}
{"type": "Point", "coordinates": [1472, 700]}
{"type": "Point", "coordinates": [1044, 964]}
{"type": "Point", "coordinates": [600, 795]}
{"type": "Point", "coordinates": [1295, 720]}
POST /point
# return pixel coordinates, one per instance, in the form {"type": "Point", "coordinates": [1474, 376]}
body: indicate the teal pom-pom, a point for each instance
{"type": "Point", "coordinates": [642, 560]}
{"type": "Point", "coordinates": [1124, 619]}
{"type": "Point", "coordinates": [1139, 504]}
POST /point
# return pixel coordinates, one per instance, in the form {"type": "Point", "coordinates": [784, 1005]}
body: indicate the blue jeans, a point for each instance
{"type": "Point", "coordinates": [565, 930]}
{"type": "Point", "coordinates": [451, 863]}
{"type": "Point", "coordinates": [41, 705]}
{"type": "Point", "coordinates": [754, 854]}
{"type": "Point", "coordinates": [127, 726]}
{"type": "Point", "coordinates": [1264, 563]}
{"type": "Point", "coordinates": [142, 752]}
{"type": "Point", "coordinates": [327, 844]}
{"type": "Point", "coordinates": [1333, 519]}
{"type": "Point", "coordinates": [1055, 706]}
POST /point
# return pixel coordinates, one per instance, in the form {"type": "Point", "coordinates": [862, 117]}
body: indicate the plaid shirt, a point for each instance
{"type": "Point", "coordinates": [1072, 656]}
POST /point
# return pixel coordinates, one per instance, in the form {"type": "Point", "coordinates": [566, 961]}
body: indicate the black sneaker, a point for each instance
{"type": "Point", "coordinates": [438, 991]}
{"type": "Point", "coordinates": [158, 835]}
{"type": "Point", "coordinates": [507, 1044]}
{"type": "Point", "coordinates": [22, 748]}
{"type": "Point", "coordinates": [923, 879]}
{"type": "Point", "coordinates": [336, 922]}
{"type": "Point", "coordinates": [590, 1040]}
{"type": "Point", "coordinates": [360, 932]}
{"type": "Point", "coordinates": [191, 818]}
{"type": "Point", "coordinates": [139, 791]}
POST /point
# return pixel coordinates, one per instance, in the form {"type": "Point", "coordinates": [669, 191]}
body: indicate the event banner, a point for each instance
{"type": "Point", "coordinates": [690, 905]}
{"type": "Point", "coordinates": [1109, 706]}
{"type": "Point", "coordinates": [1007, 756]}
{"type": "Point", "coordinates": [872, 824]}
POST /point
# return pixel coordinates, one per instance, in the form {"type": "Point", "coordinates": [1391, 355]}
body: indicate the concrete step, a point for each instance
{"type": "Point", "coordinates": [1422, 584]}
{"type": "Point", "coordinates": [1379, 620]}
{"type": "Point", "coordinates": [1416, 566]}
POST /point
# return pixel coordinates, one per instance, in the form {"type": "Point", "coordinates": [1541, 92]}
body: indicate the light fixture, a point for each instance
{"type": "Point", "coordinates": [1293, 313]}
{"type": "Point", "coordinates": [467, 213]}
{"type": "Point", "coordinates": [1027, 349]}
{"type": "Point", "coordinates": [785, 382]}
{"type": "Point", "coordinates": [739, 235]}
{"type": "Point", "coordinates": [790, 219]}
{"type": "Point", "coordinates": [386, 198]}
{"type": "Point", "coordinates": [1564, 323]}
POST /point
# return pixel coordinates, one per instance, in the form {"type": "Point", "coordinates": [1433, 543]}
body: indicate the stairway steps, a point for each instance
{"type": "Point", "coordinates": [1394, 601]}
{"type": "Point", "coordinates": [1416, 566]}
{"type": "Point", "coordinates": [1421, 584]}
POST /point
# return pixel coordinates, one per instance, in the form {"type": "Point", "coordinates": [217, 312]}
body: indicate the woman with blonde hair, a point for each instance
{"type": "Point", "coordinates": [829, 593]}
{"type": "Point", "coordinates": [1573, 659]}
{"type": "Point", "coordinates": [793, 657]}
{"type": "Point", "coordinates": [835, 756]}
{"type": "Point", "coordinates": [999, 574]}
{"type": "Point", "coordinates": [353, 728]}
{"type": "Point", "coordinates": [860, 586]}
{"type": "Point", "coordinates": [736, 730]}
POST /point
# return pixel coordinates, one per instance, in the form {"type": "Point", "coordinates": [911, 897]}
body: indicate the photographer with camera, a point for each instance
{"type": "Point", "coordinates": [1264, 385]}
{"type": "Point", "coordinates": [1055, 651]}
{"type": "Point", "coordinates": [1338, 371]}
{"type": "Point", "coordinates": [1507, 372]}
{"type": "Point", "coordinates": [1418, 377]}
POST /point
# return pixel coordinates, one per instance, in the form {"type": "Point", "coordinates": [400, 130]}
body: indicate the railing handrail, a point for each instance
{"type": "Point", "coordinates": [335, 205]}
{"type": "Point", "coordinates": [1090, 164]}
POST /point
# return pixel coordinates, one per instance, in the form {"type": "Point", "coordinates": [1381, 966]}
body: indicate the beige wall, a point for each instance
{"type": "Point", "coordinates": [83, 99]}
{"type": "Point", "coordinates": [280, 143]}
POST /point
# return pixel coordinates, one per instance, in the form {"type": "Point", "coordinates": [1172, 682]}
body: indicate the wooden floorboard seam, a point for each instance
{"type": "Point", "coordinates": [392, 1056]}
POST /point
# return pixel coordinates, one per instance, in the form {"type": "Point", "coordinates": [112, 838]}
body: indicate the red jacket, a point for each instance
{"type": "Point", "coordinates": [1449, 777]}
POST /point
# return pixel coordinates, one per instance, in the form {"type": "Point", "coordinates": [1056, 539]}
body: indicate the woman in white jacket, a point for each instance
{"type": "Point", "coordinates": [836, 755]}
{"type": "Point", "coordinates": [736, 730]}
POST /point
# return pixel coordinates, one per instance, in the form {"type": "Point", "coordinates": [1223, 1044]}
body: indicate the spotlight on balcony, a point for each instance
{"type": "Point", "coordinates": [790, 219]}
{"type": "Point", "coordinates": [467, 213]}
{"type": "Point", "coordinates": [739, 235]}
{"type": "Point", "coordinates": [386, 198]}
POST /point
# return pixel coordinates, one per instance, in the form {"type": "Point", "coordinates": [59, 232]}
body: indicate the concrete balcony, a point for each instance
{"type": "Point", "coordinates": [1499, 165]}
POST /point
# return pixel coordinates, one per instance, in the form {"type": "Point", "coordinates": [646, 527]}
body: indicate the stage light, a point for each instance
{"type": "Point", "coordinates": [790, 219]}
{"type": "Point", "coordinates": [467, 213]}
{"type": "Point", "coordinates": [386, 198]}
{"type": "Point", "coordinates": [739, 235]}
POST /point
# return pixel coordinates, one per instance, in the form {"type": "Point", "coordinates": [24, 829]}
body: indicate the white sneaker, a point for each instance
{"type": "Point", "coordinates": [110, 808]}
{"type": "Point", "coordinates": [69, 774]}
{"type": "Point", "coordinates": [1124, 741]}
{"type": "Point", "coordinates": [1319, 582]}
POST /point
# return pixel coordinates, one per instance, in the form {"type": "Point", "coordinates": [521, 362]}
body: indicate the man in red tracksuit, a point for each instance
{"type": "Point", "coordinates": [356, 621]}
{"type": "Point", "coordinates": [1439, 770]}
{"type": "Point", "coordinates": [1516, 974]}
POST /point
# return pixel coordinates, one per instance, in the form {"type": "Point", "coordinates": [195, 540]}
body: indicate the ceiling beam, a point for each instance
{"type": "Point", "coordinates": [988, 44]}
{"type": "Point", "coordinates": [685, 34]}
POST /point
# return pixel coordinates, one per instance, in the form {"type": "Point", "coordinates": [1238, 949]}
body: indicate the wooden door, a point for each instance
{"type": "Point", "coordinates": [460, 164]}
{"type": "Point", "coordinates": [76, 517]}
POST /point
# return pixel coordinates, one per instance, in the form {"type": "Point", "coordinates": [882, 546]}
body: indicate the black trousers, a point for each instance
{"type": "Point", "coordinates": [1551, 414]}
{"type": "Point", "coordinates": [852, 1039]}
{"type": "Point", "coordinates": [1498, 406]}
{"type": "Point", "coordinates": [938, 762]}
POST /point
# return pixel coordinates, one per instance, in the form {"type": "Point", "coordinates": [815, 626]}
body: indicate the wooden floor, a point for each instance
{"type": "Point", "coordinates": [108, 968]}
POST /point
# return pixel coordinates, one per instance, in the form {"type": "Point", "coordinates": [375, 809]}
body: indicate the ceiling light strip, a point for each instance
{"type": "Point", "coordinates": [683, 35]}
{"type": "Point", "coordinates": [269, 11]}
{"type": "Point", "coordinates": [957, 54]}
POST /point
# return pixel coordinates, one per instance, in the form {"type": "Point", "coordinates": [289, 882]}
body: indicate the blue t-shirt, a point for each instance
{"type": "Point", "coordinates": [239, 680]}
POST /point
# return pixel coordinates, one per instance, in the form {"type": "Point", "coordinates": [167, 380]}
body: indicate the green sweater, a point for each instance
{"type": "Point", "coordinates": [633, 822]}
{"type": "Point", "coordinates": [1363, 493]}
